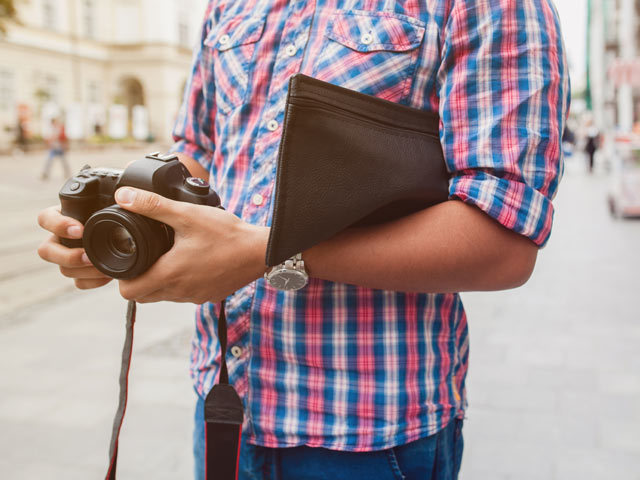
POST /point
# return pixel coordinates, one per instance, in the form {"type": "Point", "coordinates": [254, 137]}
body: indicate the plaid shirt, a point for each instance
{"type": "Point", "coordinates": [341, 366]}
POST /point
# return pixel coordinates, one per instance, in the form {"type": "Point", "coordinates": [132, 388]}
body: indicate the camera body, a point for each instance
{"type": "Point", "coordinates": [120, 243]}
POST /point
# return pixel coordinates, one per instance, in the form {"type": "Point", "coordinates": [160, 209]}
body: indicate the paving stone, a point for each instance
{"type": "Point", "coordinates": [515, 398]}
{"type": "Point", "coordinates": [478, 474]}
{"type": "Point", "coordinates": [596, 464]}
{"type": "Point", "coordinates": [507, 457]}
{"type": "Point", "coordinates": [30, 470]}
{"type": "Point", "coordinates": [619, 382]}
{"type": "Point", "coordinates": [562, 379]}
{"type": "Point", "coordinates": [620, 435]}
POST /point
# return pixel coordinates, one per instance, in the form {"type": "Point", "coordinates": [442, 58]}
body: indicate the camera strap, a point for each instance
{"type": "Point", "coordinates": [223, 415]}
{"type": "Point", "coordinates": [223, 411]}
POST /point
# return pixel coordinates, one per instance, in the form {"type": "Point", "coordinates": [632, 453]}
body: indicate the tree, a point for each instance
{"type": "Point", "coordinates": [7, 12]}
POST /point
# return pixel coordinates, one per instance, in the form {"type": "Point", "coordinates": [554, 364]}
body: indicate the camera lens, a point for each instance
{"type": "Point", "coordinates": [121, 241]}
{"type": "Point", "coordinates": [122, 244]}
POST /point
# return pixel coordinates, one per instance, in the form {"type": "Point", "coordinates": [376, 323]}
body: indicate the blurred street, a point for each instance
{"type": "Point", "coordinates": [554, 382]}
{"type": "Point", "coordinates": [60, 351]}
{"type": "Point", "coordinates": [554, 378]}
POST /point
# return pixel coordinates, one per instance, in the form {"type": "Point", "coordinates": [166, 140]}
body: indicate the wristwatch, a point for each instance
{"type": "Point", "coordinates": [290, 275]}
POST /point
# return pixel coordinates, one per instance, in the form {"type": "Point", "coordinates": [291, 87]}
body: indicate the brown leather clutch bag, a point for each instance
{"type": "Point", "coordinates": [348, 159]}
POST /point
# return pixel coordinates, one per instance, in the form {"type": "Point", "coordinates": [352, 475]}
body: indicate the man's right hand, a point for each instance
{"type": "Point", "coordinates": [73, 262]}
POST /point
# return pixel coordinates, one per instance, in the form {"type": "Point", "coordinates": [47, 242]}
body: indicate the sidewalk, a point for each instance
{"type": "Point", "coordinates": [554, 382]}
{"type": "Point", "coordinates": [59, 367]}
{"type": "Point", "coordinates": [60, 351]}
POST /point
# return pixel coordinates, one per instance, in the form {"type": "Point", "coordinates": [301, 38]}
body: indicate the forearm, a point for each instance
{"type": "Point", "coordinates": [451, 247]}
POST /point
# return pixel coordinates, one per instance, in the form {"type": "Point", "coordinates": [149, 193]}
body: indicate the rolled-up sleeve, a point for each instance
{"type": "Point", "coordinates": [193, 131]}
{"type": "Point", "coordinates": [504, 95]}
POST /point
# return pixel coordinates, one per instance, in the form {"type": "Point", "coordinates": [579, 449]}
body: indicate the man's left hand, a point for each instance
{"type": "Point", "coordinates": [214, 253]}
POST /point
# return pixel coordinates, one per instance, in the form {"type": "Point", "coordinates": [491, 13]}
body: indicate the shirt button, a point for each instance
{"type": "Point", "coordinates": [224, 39]}
{"type": "Point", "coordinates": [291, 50]}
{"type": "Point", "coordinates": [366, 38]}
{"type": "Point", "coordinates": [272, 125]}
{"type": "Point", "coordinates": [236, 351]}
{"type": "Point", "coordinates": [257, 199]}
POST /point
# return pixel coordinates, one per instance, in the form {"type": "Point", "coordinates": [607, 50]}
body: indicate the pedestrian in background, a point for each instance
{"type": "Point", "coordinates": [592, 144]}
{"type": "Point", "coordinates": [57, 144]}
{"type": "Point", "coordinates": [21, 136]}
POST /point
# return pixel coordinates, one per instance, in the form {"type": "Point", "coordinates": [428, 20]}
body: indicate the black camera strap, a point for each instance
{"type": "Point", "coordinates": [223, 412]}
{"type": "Point", "coordinates": [223, 415]}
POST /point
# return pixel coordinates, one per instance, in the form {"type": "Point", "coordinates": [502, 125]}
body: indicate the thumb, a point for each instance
{"type": "Point", "coordinates": [150, 205]}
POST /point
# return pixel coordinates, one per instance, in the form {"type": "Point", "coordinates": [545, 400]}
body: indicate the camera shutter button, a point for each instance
{"type": "Point", "coordinates": [197, 185]}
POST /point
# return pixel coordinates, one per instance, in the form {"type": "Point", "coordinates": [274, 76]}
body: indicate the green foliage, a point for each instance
{"type": "Point", "coordinates": [7, 12]}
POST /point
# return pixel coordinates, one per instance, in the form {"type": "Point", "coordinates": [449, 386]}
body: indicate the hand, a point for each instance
{"type": "Point", "coordinates": [214, 253]}
{"type": "Point", "coordinates": [73, 262]}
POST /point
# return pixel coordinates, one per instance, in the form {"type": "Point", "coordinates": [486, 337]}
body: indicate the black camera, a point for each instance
{"type": "Point", "coordinates": [122, 244]}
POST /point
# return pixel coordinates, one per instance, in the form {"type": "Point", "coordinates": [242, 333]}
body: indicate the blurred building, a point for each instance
{"type": "Point", "coordinates": [614, 64]}
{"type": "Point", "coordinates": [115, 67]}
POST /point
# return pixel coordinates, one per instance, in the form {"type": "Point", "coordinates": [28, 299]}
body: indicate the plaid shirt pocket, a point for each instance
{"type": "Point", "coordinates": [226, 59]}
{"type": "Point", "coordinates": [371, 52]}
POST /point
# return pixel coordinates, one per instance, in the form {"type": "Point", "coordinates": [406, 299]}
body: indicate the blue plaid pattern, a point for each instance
{"type": "Point", "coordinates": [340, 366]}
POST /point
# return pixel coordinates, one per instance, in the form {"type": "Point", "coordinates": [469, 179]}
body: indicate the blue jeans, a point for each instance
{"type": "Point", "coordinates": [436, 457]}
{"type": "Point", "coordinates": [56, 153]}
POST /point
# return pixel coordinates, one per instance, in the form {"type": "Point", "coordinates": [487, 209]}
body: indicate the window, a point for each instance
{"type": "Point", "coordinates": [637, 27]}
{"type": "Point", "coordinates": [127, 23]}
{"type": "Point", "coordinates": [88, 18]}
{"type": "Point", "coordinates": [51, 88]}
{"type": "Point", "coordinates": [49, 14]}
{"type": "Point", "coordinates": [93, 92]}
{"type": "Point", "coordinates": [6, 90]}
{"type": "Point", "coordinates": [183, 30]}
{"type": "Point", "coordinates": [610, 11]}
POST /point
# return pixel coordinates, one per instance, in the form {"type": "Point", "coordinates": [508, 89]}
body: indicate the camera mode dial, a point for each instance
{"type": "Point", "coordinates": [197, 185]}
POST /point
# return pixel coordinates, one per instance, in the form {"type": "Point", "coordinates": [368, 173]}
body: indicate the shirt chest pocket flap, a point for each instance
{"type": "Point", "coordinates": [371, 52]}
{"type": "Point", "coordinates": [227, 58]}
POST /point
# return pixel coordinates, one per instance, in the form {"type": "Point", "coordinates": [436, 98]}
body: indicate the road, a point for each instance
{"type": "Point", "coordinates": [554, 382]}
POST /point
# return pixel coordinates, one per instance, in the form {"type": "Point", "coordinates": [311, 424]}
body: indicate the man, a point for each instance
{"type": "Point", "coordinates": [361, 373]}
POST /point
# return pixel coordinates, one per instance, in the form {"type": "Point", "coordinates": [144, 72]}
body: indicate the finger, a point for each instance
{"type": "Point", "coordinates": [66, 227]}
{"type": "Point", "coordinates": [90, 272]}
{"type": "Point", "coordinates": [156, 278]}
{"type": "Point", "coordinates": [52, 251]}
{"type": "Point", "coordinates": [152, 205]}
{"type": "Point", "coordinates": [88, 283]}
{"type": "Point", "coordinates": [157, 296]}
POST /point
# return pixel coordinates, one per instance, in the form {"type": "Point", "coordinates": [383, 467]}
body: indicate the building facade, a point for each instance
{"type": "Point", "coordinates": [112, 67]}
{"type": "Point", "coordinates": [614, 64]}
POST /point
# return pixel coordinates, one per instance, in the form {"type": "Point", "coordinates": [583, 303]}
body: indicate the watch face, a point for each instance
{"type": "Point", "coordinates": [287, 280]}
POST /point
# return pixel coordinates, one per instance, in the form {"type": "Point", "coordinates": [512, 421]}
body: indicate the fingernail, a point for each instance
{"type": "Point", "coordinates": [85, 259]}
{"type": "Point", "coordinates": [125, 196]}
{"type": "Point", "coordinates": [74, 231]}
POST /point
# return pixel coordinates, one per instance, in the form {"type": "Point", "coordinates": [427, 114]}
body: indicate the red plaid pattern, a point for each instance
{"type": "Point", "coordinates": [340, 366]}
